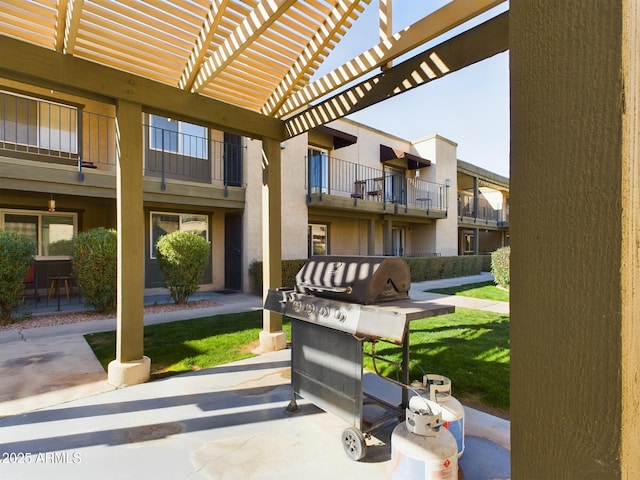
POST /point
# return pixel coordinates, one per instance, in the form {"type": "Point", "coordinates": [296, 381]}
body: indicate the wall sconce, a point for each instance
{"type": "Point", "coordinates": [52, 205]}
{"type": "Point", "coordinates": [447, 183]}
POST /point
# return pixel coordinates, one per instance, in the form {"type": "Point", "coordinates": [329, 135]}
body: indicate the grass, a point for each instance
{"type": "Point", "coordinates": [482, 290]}
{"type": "Point", "coordinates": [189, 345]}
{"type": "Point", "coordinates": [470, 347]}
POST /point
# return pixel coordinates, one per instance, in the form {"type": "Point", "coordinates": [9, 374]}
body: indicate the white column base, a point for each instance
{"type": "Point", "coordinates": [122, 374]}
{"type": "Point", "coordinates": [273, 341]}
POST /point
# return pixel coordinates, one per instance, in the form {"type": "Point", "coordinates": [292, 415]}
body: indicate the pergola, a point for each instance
{"type": "Point", "coordinates": [245, 66]}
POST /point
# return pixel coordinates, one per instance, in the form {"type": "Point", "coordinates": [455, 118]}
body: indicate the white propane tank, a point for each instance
{"type": "Point", "coordinates": [421, 449]}
{"type": "Point", "coordinates": [439, 391]}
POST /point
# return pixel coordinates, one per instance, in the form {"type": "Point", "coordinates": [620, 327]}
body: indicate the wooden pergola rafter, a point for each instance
{"type": "Point", "coordinates": [451, 15]}
{"type": "Point", "coordinates": [259, 55]}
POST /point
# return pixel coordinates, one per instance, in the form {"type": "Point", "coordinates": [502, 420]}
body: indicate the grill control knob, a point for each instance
{"type": "Point", "coordinates": [340, 316]}
{"type": "Point", "coordinates": [297, 306]}
{"type": "Point", "coordinates": [309, 308]}
{"type": "Point", "coordinates": [324, 312]}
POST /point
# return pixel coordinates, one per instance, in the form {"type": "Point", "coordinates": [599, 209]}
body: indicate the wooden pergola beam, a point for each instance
{"type": "Point", "coordinates": [260, 19]}
{"type": "Point", "coordinates": [472, 46]}
{"type": "Point", "coordinates": [326, 34]}
{"type": "Point", "coordinates": [69, 17]}
{"type": "Point", "coordinates": [202, 42]}
{"type": "Point", "coordinates": [431, 26]}
{"type": "Point", "coordinates": [48, 68]}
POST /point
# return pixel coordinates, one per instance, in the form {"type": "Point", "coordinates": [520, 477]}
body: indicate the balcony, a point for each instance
{"type": "Point", "coordinates": [484, 214]}
{"type": "Point", "coordinates": [57, 135]}
{"type": "Point", "coordinates": [338, 184]}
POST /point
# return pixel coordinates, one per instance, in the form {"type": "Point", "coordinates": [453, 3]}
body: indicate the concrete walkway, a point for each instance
{"type": "Point", "coordinates": [226, 422]}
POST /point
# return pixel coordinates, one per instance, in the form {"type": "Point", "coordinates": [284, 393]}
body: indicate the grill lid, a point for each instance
{"type": "Point", "coordinates": [356, 279]}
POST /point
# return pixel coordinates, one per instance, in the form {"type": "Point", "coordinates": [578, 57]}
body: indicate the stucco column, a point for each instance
{"type": "Point", "coordinates": [272, 337]}
{"type": "Point", "coordinates": [130, 366]}
{"type": "Point", "coordinates": [371, 237]}
{"type": "Point", "coordinates": [387, 237]}
{"type": "Point", "coordinates": [575, 236]}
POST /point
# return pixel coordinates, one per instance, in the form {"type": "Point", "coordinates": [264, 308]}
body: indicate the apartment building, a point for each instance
{"type": "Point", "coordinates": [483, 210]}
{"type": "Point", "coordinates": [347, 189]}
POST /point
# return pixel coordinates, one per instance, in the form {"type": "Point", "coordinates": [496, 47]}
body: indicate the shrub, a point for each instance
{"type": "Point", "coordinates": [94, 264]}
{"type": "Point", "coordinates": [182, 257]}
{"type": "Point", "coordinates": [421, 268]}
{"type": "Point", "coordinates": [16, 254]}
{"type": "Point", "coordinates": [289, 270]}
{"type": "Point", "coordinates": [500, 266]}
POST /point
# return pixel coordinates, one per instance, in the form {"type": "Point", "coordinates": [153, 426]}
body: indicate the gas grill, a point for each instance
{"type": "Point", "coordinates": [336, 305]}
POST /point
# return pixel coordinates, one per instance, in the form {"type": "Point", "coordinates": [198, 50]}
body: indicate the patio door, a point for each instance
{"type": "Point", "coordinates": [318, 170]}
{"type": "Point", "coordinates": [397, 242]}
{"type": "Point", "coordinates": [395, 185]}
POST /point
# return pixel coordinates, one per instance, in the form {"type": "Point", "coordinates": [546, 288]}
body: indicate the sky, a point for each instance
{"type": "Point", "coordinates": [469, 107]}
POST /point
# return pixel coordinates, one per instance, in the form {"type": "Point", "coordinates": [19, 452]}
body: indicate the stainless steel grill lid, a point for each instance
{"type": "Point", "coordinates": [364, 280]}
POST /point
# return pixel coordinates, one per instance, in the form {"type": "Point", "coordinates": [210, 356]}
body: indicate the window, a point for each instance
{"type": "Point", "coordinates": [164, 223]}
{"type": "Point", "coordinates": [318, 239]}
{"type": "Point", "coordinates": [53, 232]}
{"type": "Point", "coordinates": [170, 135]}
{"type": "Point", "coordinates": [318, 170]}
{"type": "Point", "coordinates": [30, 122]}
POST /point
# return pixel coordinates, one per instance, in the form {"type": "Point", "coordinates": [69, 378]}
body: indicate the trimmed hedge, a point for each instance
{"type": "Point", "coordinates": [500, 266]}
{"type": "Point", "coordinates": [94, 264]}
{"type": "Point", "coordinates": [289, 270]}
{"type": "Point", "coordinates": [422, 268]}
{"type": "Point", "coordinates": [183, 258]}
{"type": "Point", "coordinates": [16, 254]}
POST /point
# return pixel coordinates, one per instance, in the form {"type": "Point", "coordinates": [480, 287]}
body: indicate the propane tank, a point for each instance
{"type": "Point", "coordinates": [439, 391]}
{"type": "Point", "coordinates": [421, 449]}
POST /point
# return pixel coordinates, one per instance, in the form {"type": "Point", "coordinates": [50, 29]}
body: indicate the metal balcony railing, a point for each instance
{"type": "Point", "coordinates": [37, 129]}
{"type": "Point", "coordinates": [42, 130]}
{"type": "Point", "coordinates": [181, 156]}
{"type": "Point", "coordinates": [485, 212]}
{"type": "Point", "coordinates": [332, 176]}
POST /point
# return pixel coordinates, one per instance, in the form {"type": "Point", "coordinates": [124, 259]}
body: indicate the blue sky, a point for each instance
{"type": "Point", "coordinates": [469, 107]}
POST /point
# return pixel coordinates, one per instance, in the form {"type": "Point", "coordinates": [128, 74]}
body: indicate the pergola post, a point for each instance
{"type": "Point", "coordinates": [575, 236]}
{"type": "Point", "coordinates": [272, 337]}
{"type": "Point", "coordinates": [130, 366]}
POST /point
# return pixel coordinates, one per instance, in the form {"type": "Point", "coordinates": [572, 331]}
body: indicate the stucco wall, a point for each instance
{"type": "Point", "coordinates": [252, 219]}
{"type": "Point", "coordinates": [294, 204]}
{"type": "Point", "coordinates": [443, 155]}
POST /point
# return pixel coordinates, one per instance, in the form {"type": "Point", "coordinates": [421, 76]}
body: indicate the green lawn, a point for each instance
{"type": "Point", "coordinates": [470, 347]}
{"type": "Point", "coordinates": [482, 290]}
{"type": "Point", "coordinates": [188, 345]}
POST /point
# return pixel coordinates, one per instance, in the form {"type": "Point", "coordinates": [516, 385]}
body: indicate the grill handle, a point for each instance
{"type": "Point", "coordinates": [324, 288]}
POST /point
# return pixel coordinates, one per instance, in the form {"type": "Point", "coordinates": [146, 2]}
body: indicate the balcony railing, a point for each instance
{"type": "Point", "coordinates": [181, 156]}
{"type": "Point", "coordinates": [485, 211]}
{"type": "Point", "coordinates": [46, 131]}
{"type": "Point", "coordinates": [332, 176]}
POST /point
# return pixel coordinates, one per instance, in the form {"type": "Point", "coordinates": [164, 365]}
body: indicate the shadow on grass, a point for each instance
{"type": "Point", "coordinates": [469, 347]}
{"type": "Point", "coordinates": [482, 290]}
{"type": "Point", "coordinates": [190, 345]}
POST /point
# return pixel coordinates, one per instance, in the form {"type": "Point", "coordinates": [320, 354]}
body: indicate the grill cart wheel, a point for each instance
{"type": "Point", "coordinates": [354, 443]}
